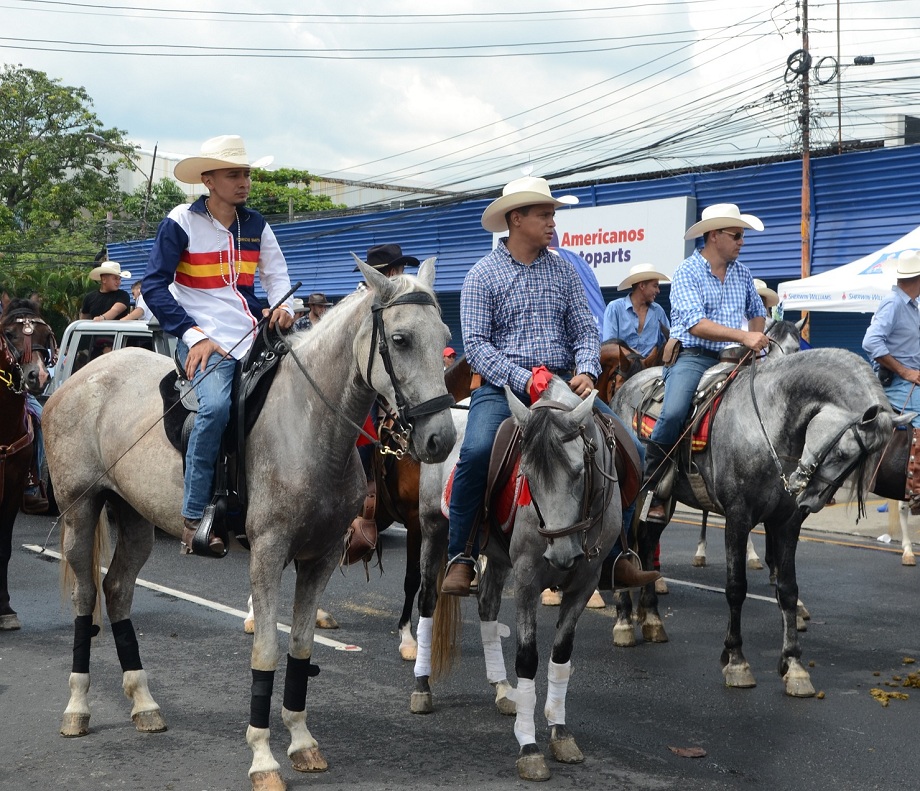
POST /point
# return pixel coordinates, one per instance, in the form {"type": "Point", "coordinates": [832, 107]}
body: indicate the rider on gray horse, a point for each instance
{"type": "Point", "coordinates": [521, 307]}
{"type": "Point", "coordinates": [200, 286]}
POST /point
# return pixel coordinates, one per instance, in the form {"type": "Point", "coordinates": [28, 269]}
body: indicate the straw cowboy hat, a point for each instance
{"type": "Point", "coordinates": [908, 265]}
{"type": "Point", "coordinates": [381, 256]}
{"type": "Point", "coordinates": [299, 307]}
{"type": "Point", "coordinates": [526, 191]}
{"type": "Point", "coordinates": [109, 268]}
{"type": "Point", "coordinates": [641, 272]}
{"type": "Point", "coordinates": [722, 215]}
{"type": "Point", "coordinates": [218, 153]}
{"type": "Point", "coordinates": [768, 295]}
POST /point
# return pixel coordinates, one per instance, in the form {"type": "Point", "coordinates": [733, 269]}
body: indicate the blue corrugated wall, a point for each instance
{"type": "Point", "coordinates": [861, 201]}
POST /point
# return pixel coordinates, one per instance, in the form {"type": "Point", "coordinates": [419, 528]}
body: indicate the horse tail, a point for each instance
{"type": "Point", "coordinates": [101, 551]}
{"type": "Point", "coordinates": [446, 628]}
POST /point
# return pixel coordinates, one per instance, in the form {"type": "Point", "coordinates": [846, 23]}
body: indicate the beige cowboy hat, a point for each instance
{"type": "Point", "coordinates": [218, 153]}
{"type": "Point", "coordinates": [109, 268]}
{"type": "Point", "coordinates": [641, 272]}
{"type": "Point", "coordinates": [908, 265]}
{"type": "Point", "coordinates": [722, 215]}
{"type": "Point", "coordinates": [526, 191]}
{"type": "Point", "coordinates": [299, 307]}
{"type": "Point", "coordinates": [768, 295]}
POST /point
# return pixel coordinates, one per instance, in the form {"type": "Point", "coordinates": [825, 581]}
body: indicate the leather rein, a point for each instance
{"type": "Point", "coordinates": [590, 516]}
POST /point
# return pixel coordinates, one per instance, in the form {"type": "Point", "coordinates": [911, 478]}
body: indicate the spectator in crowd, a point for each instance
{"type": "Point", "coordinates": [450, 357]}
{"type": "Point", "coordinates": [110, 301]}
{"type": "Point", "coordinates": [140, 311]}
{"type": "Point", "coordinates": [637, 319]}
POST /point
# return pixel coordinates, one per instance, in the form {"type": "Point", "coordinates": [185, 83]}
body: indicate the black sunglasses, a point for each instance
{"type": "Point", "coordinates": [736, 235]}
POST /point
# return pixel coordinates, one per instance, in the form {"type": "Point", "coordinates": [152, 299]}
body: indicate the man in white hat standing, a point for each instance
{"type": "Point", "coordinates": [111, 301]}
{"type": "Point", "coordinates": [200, 284]}
{"type": "Point", "coordinates": [892, 340]}
{"type": "Point", "coordinates": [712, 294]}
{"type": "Point", "coordinates": [521, 307]}
{"type": "Point", "coordinates": [637, 319]}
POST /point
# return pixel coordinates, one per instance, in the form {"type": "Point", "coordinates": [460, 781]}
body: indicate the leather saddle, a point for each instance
{"type": "Point", "coordinates": [505, 490]}
{"type": "Point", "coordinates": [251, 384]}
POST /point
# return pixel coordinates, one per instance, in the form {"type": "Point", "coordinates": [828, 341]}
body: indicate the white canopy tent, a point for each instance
{"type": "Point", "coordinates": [857, 287]}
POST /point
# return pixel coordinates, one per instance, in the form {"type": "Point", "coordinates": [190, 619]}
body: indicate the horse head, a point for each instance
{"type": "Point", "coordinates": [399, 356]}
{"type": "Point", "coordinates": [837, 443]}
{"type": "Point", "coordinates": [785, 336]}
{"type": "Point", "coordinates": [27, 347]}
{"type": "Point", "coordinates": [558, 437]}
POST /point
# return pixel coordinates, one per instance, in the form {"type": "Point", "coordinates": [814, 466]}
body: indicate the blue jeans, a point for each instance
{"type": "Point", "coordinates": [213, 387]}
{"type": "Point", "coordinates": [904, 397]}
{"type": "Point", "coordinates": [38, 444]}
{"type": "Point", "coordinates": [488, 410]}
{"type": "Point", "coordinates": [680, 383]}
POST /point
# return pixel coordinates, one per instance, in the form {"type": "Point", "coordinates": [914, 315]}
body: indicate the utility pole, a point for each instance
{"type": "Point", "coordinates": [805, 121]}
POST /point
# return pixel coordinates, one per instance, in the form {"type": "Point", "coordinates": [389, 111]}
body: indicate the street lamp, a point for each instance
{"type": "Point", "coordinates": [101, 141]}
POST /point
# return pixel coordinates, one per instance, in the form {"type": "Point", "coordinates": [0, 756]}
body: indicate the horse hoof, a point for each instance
{"type": "Point", "coordinates": [506, 707]}
{"type": "Point", "coordinates": [798, 682]}
{"type": "Point", "coordinates": [421, 703]}
{"type": "Point", "coordinates": [653, 632]}
{"type": "Point", "coordinates": [801, 612]}
{"type": "Point", "coordinates": [739, 676]}
{"type": "Point", "coordinates": [309, 759]}
{"type": "Point", "coordinates": [755, 564]}
{"type": "Point", "coordinates": [267, 781]}
{"type": "Point", "coordinates": [249, 626]}
{"type": "Point", "coordinates": [564, 749]}
{"type": "Point", "coordinates": [907, 559]}
{"type": "Point", "coordinates": [10, 622]}
{"type": "Point", "coordinates": [550, 598]}
{"type": "Point", "coordinates": [661, 587]}
{"type": "Point", "coordinates": [75, 725]}
{"type": "Point", "coordinates": [800, 624]}
{"type": "Point", "coordinates": [325, 621]}
{"type": "Point", "coordinates": [699, 561]}
{"type": "Point", "coordinates": [532, 767]}
{"type": "Point", "coordinates": [149, 721]}
{"type": "Point", "coordinates": [409, 652]}
{"type": "Point", "coordinates": [596, 602]}
{"type": "Point", "coordinates": [624, 636]}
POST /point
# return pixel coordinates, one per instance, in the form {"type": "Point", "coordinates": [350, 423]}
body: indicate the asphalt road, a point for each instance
{"type": "Point", "coordinates": [626, 707]}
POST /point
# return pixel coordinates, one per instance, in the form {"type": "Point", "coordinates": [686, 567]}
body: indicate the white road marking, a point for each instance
{"type": "Point", "coordinates": [213, 605]}
{"type": "Point", "coordinates": [714, 589]}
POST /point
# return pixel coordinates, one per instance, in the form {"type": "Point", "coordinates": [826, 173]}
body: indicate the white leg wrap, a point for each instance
{"type": "Point", "coordinates": [558, 676]}
{"type": "Point", "coordinates": [423, 657]}
{"type": "Point", "coordinates": [525, 698]}
{"type": "Point", "coordinates": [492, 633]}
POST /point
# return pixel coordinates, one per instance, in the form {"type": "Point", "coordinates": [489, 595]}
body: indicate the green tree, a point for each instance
{"type": "Point", "coordinates": [165, 194]}
{"type": "Point", "coordinates": [274, 190]}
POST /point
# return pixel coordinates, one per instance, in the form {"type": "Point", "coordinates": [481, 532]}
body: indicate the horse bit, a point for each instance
{"type": "Point", "coordinates": [590, 493]}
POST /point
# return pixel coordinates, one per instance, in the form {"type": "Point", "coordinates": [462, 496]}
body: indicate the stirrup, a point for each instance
{"type": "Point", "coordinates": [201, 542]}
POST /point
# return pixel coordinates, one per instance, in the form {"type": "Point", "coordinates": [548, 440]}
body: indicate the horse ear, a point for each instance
{"type": "Point", "coordinates": [519, 412]}
{"type": "Point", "coordinates": [903, 419]}
{"type": "Point", "coordinates": [770, 323]}
{"type": "Point", "coordinates": [583, 411]}
{"type": "Point", "coordinates": [376, 280]}
{"type": "Point", "coordinates": [800, 324]}
{"type": "Point", "coordinates": [426, 271]}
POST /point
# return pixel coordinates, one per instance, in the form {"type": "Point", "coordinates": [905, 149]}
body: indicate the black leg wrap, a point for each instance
{"type": "Point", "coordinates": [84, 630]}
{"type": "Point", "coordinates": [261, 701]}
{"type": "Point", "coordinates": [295, 682]}
{"type": "Point", "coordinates": [126, 645]}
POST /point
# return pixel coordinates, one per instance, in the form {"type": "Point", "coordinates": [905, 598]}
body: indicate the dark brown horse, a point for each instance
{"type": "Point", "coordinates": [27, 348]}
{"type": "Point", "coordinates": [619, 361]}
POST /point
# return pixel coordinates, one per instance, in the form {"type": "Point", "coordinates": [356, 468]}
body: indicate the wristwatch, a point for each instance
{"type": "Point", "coordinates": [590, 376]}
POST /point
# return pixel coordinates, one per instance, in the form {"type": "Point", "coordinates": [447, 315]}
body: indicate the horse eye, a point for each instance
{"type": "Point", "coordinates": [399, 340]}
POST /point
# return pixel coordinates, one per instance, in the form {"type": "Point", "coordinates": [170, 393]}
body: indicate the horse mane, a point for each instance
{"type": "Point", "coordinates": [541, 439]}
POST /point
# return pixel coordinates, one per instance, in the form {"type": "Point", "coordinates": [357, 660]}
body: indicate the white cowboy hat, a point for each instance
{"type": "Point", "coordinates": [218, 153]}
{"type": "Point", "coordinates": [641, 272]}
{"type": "Point", "coordinates": [299, 307]}
{"type": "Point", "coordinates": [526, 191]}
{"type": "Point", "coordinates": [722, 215]}
{"type": "Point", "coordinates": [908, 265]}
{"type": "Point", "coordinates": [768, 295]}
{"type": "Point", "coordinates": [108, 268]}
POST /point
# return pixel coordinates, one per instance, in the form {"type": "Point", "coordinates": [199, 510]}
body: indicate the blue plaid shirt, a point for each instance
{"type": "Point", "coordinates": [516, 317]}
{"type": "Point", "coordinates": [698, 294]}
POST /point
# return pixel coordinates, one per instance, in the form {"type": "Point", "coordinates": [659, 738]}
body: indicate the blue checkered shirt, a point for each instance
{"type": "Point", "coordinates": [516, 317]}
{"type": "Point", "coordinates": [698, 294]}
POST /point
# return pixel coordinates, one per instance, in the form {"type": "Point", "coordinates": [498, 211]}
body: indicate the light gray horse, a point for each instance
{"type": "Point", "coordinates": [569, 466]}
{"type": "Point", "coordinates": [788, 432]}
{"type": "Point", "coordinates": [387, 340]}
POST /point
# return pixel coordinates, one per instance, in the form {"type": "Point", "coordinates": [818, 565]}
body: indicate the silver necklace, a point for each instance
{"type": "Point", "coordinates": [233, 274]}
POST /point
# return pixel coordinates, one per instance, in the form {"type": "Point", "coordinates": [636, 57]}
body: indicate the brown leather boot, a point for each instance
{"type": "Point", "coordinates": [627, 575]}
{"type": "Point", "coordinates": [458, 579]}
{"type": "Point", "coordinates": [361, 538]}
{"type": "Point", "coordinates": [189, 528]}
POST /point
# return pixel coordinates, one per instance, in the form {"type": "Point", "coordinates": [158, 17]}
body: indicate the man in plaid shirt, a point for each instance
{"type": "Point", "coordinates": [521, 307]}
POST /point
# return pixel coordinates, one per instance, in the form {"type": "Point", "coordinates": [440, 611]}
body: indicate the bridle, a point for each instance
{"type": "Point", "coordinates": [14, 358]}
{"type": "Point", "coordinates": [592, 493]}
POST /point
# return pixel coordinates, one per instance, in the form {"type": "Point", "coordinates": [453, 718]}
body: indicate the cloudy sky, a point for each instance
{"type": "Point", "coordinates": [460, 95]}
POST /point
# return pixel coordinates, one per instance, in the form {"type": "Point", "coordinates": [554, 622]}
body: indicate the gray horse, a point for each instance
{"type": "Point", "coordinates": [789, 431]}
{"type": "Point", "coordinates": [569, 465]}
{"type": "Point", "coordinates": [106, 445]}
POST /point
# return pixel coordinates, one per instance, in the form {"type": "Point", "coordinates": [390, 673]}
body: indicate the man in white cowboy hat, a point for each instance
{"type": "Point", "coordinates": [712, 295]}
{"type": "Point", "coordinates": [521, 307]}
{"type": "Point", "coordinates": [892, 340]}
{"type": "Point", "coordinates": [637, 319]}
{"type": "Point", "coordinates": [200, 284]}
{"type": "Point", "coordinates": [111, 301]}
